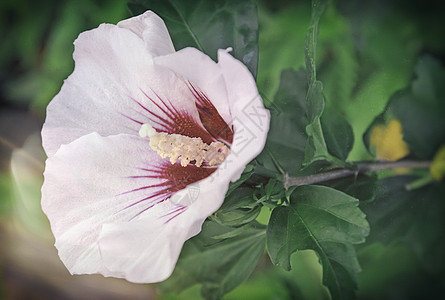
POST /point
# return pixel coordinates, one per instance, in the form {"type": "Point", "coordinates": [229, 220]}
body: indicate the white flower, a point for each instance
{"type": "Point", "coordinates": [116, 207]}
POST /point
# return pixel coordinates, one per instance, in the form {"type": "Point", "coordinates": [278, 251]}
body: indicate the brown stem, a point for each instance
{"type": "Point", "coordinates": [361, 168]}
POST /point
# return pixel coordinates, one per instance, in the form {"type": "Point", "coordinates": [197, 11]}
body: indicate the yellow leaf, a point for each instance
{"type": "Point", "coordinates": [388, 141]}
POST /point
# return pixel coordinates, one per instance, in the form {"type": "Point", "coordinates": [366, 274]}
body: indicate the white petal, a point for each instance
{"type": "Point", "coordinates": [152, 30]}
{"type": "Point", "coordinates": [250, 118]}
{"type": "Point", "coordinates": [203, 72]}
{"type": "Point", "coordinates": [154, 252]}
{"type": "Point", "coordinates": [107, 72]}
{"type": "Point", "coordinates": [92, 194]}
{"type": "Point", "coordinates": [110, 89]}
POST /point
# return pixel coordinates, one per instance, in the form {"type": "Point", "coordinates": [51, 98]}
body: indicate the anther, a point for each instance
{"type": "Point", "coordinates": [184, 148]}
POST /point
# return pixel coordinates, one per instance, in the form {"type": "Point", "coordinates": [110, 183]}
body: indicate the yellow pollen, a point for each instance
{"type": "Point", "coordinates": [184, 148]}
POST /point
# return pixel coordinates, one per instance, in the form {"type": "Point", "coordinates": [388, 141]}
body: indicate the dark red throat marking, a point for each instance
{"type": "Point", "coordinates": [210, 117]}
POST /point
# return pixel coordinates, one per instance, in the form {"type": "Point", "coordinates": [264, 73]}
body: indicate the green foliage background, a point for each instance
{"type": "Point", "coordinates": [367, 50]}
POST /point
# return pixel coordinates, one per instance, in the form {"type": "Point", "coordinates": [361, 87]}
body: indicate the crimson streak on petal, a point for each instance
{"type": "Point", "coordinates": [174, 213]}
{"type": "Point", "coordinates": [176, 121]}
{"type": "Point", "coordinates": [176, 178]}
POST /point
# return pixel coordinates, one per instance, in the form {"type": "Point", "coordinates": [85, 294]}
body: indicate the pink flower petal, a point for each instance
{"type": "Point", "coordinates": [97, 186]}
{"type": "Point", "coordinates": [172, 118]}
{"type": "Point", "coordinates": [115, 88]}
{"type": "Point", "coordinates": [150, 28]}
{"type": "Point", "coordinates": [250, 118]}
{"type": "Point", "coordinates": [203, 72]}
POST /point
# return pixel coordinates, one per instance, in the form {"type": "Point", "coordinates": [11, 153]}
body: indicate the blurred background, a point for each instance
{"type": "Point", "coordinates": [366, 52]}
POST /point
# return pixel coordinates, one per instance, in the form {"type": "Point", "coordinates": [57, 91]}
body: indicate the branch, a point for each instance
{"type": "Point", "coordinates": [360, 168]}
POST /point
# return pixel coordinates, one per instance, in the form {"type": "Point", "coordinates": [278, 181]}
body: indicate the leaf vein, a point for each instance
{"type": "Point", "coordinates": [187, 26]}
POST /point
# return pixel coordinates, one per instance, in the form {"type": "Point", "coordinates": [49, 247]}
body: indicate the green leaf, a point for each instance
{"type": "Point", "coordinates": [238, 208]}
{"type": "Point", "coordinates": [302, 282]}
{"type": "Point", "coordinates": [274, 189]}
{"type": "Point", "coordinates": [361, 187]}
{"type": "Point", "coordinates": [337, 133]}
{"type": "Point", "coordinates": [413, 217]}
{"type": "Point", "coordinates": [421, 108]}
{"type": "Point", "coordinates": [318, 7]}
{"type": "Point", "coordinates": [233, 233]}
{"type": "Point", "coordinates": [316, 148]}
{"type": "Point", "coordinates": [296, 137]}
{"type": "Point", "coordinates": [247, 173]}
{"type": "Point", "coordinates": [287, 137]}
{"type": "Point", "coordinates": [326, 221]}
{"type": "Point", "coordinates": [209, 25]}
{"type": "Point", "coordinates": [315, 101]}
{"type": "Point", "coordinates": [219, 265]}
{"type": "Point", "coordinates": [237, 217]}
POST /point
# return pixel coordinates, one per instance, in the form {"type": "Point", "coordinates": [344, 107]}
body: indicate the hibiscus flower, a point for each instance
{"type": "Point", "coordinates": [142, 143]}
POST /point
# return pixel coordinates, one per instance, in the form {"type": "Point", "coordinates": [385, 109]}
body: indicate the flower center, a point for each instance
{"type": "Point", "coordinates": [184, 148]}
